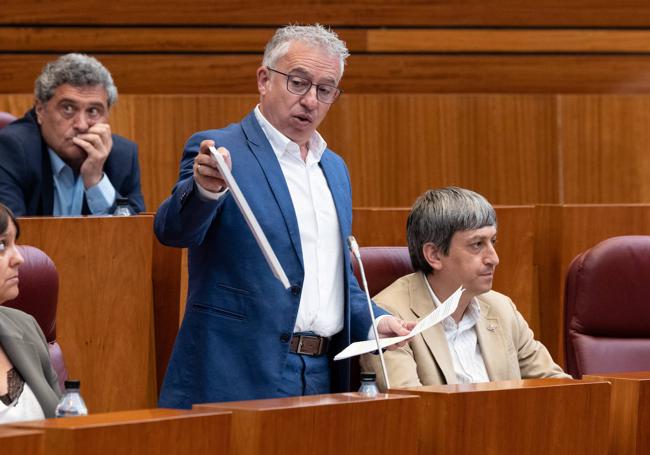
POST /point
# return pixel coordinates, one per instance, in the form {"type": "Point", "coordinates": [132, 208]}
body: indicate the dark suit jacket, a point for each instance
{"type": "Point", "coordinates": [25, 345]}
{"type": "Point", "coordinates": [233, 342]}
{"type": "Point", "coordinates": [26, 182]}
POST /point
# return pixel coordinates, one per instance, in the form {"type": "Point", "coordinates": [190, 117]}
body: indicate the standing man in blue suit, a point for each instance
{"type": "Point", "coordinates": [243, 335]}
{"type": "Point", "coordinates": [61, 158]}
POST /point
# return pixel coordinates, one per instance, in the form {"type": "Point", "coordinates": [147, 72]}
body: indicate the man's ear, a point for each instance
{"type": "Point", "coordinates": [262, 79]}
{"type": "Point", "coordinates": [433, 255]}
{"type": "Point", "coordinates": [39, 108]}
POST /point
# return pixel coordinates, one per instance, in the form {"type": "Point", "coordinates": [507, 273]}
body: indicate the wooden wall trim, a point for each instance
{"type": "Point", "coordinates": [501, 13]}
{"type": "Point", "coordinates": [368, 40]}
{"type": "Point", "coordinates": [365, 73]}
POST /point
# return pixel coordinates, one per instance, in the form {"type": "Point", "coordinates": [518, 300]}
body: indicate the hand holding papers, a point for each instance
{"type": "Point", "coordinates": [433, 318]}
{"type": "Point", "coordinates": [253, 225]}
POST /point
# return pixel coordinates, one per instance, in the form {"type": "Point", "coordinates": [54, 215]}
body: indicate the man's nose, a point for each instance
{"type": "Point", "coordinates": [491, 256]}
{"type": "Point", "coordinates": [82, 122]}
{"type": "Point", "coordinates": [310, 98]}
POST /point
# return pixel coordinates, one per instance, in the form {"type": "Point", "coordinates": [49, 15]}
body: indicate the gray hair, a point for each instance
{"type": "Point", "coordinates": [438, 214]}
{"type": "Point", "coordinates": [312, 35]}
{"type": "Point", "coordinates": [78, 70]}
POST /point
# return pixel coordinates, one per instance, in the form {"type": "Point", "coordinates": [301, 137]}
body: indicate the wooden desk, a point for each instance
{"type": "Point", "coordinates": [323, 424]}
{"type": "Point", "coordinates": [629, 428]}
{"type": "Point", "coordinates": [161, 431]}
{"type": "Point", "coordinates": [539, 416]}
{"type": "Point", "coordinates": [105, 311]}
{"type": "Point", "coordinates": [14, 441]}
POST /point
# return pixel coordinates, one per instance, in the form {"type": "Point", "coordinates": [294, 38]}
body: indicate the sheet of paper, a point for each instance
{"type": "Point", "coordinates": [253, 225]}
{"type": "Point", "coordinates": [444, 310]}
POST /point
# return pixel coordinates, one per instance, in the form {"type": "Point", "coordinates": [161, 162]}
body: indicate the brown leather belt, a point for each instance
{"type": "Point", "coordinates": [309, 344]}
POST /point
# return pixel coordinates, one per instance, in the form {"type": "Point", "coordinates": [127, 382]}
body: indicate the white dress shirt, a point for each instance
{"type": "Point", "coordinates": [466, 356]}
{"type": "Point", "coordinates": [321, 301]}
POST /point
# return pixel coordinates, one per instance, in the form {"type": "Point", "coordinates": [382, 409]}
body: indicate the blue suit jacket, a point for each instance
{"type": "Point", "coordinates": [233, 341]}
{"type": "Point", "coordinates": [26, 182]}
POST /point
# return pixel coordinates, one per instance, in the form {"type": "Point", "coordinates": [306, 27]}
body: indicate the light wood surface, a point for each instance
{"type": "Point", "coordinates": [629, 428]}
{"type": "Point", "coordinates": [323, 424]}
{"type": "Point", "coordinates": [105, 312]}
{"type": "Point", "coordinates": [136, 432]}
{"type": "Point", "coordinates": [14, 441]}
{"type": "Point", "coordinates": [534, 416]}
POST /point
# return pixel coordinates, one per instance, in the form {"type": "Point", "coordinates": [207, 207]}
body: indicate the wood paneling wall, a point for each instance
{"type": "Point", "coordinates": [514, 149]}
{"type": "Point", "coordinates": [582, 13]}
{"type": "Point", "coordinates": [217, 73]}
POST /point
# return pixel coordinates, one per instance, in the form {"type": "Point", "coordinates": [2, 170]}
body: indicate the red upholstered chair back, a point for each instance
{"type": "Point", "coordinates": [39, 296]}
{"type": "Point", "coordinates": [382, 265]}
{"type": "Point", "coordinates": [607, 308]}
{"type": "Point", "coordinates": [5, 119]}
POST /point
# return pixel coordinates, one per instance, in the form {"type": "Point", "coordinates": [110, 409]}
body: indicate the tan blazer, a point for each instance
{"type": "Point", "coordinates": [25, 345]}
{"type": "Point", "coordinates": [507, 344]}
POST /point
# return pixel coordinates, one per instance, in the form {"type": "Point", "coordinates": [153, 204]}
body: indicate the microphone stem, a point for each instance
{"type": "Point", "coordinates": [374, 321]}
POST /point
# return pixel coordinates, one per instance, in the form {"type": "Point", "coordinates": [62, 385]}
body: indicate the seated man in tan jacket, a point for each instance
{"type": "Point", "coordinates": [451, 235]}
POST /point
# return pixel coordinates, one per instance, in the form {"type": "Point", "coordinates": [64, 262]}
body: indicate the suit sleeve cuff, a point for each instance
{"type": "Point", "coordinates": [371, 332]}
{"type": "Point", "coordinates": [206, 195]}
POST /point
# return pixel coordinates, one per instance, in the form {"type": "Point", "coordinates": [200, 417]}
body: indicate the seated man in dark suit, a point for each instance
{"type": "Point", "coordinates": [61, 158]}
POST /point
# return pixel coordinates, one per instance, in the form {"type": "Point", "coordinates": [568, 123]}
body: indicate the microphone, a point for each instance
{"type": "Point", "coordinates": [354, 248]}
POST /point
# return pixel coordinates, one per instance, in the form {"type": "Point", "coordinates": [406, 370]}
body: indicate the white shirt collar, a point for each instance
{"type": "Point", "coordinates": [282, 144]}
{"type": "Point", "coordinates": [472, 312]}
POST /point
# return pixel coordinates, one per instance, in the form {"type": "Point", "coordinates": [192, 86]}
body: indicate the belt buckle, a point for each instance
{"type": "Point", "coordinates": [300, 340]}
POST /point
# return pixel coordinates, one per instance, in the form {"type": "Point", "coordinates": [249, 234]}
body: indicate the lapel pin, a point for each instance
{"type": "Point", "coordinates": [491, 327]}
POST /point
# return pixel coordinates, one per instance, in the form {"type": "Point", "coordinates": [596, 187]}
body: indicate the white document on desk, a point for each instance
{"type": "Point", "coordinates": [253, 225]}
{"type": "Point", "coordinates": [443, 311]}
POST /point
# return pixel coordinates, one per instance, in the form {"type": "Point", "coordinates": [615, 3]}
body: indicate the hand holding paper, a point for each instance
{"type": "Point", "coordinates": [205, 171]}
{"type": "Point", "coordinates": [433, 318]}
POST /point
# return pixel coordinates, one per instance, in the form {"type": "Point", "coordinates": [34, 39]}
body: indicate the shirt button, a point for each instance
{"type": "Point", "coordinates": [285, 337]}
{"type": "Point", "coordinates": [295, 289]}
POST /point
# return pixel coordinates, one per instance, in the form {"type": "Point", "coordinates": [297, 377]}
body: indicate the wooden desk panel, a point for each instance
{"type": "Point", "coordinates": [540, 416]}
{"type": "Point", "coordinates": [161, 431]}
{"type": "Point", "coordinates": [14, 441]}
{"type": "Point", "coordinates": [105, 311]}
{"type": "Point", "coordinates": [167, 275]}
{"type": "Point", "coordinates": [323, 424]}
{"type": "Point", "coordinates": [629, 424]}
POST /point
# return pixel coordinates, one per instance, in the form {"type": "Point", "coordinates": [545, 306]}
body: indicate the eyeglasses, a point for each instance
{"type": "Point", "coordinates": [299, 86]}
